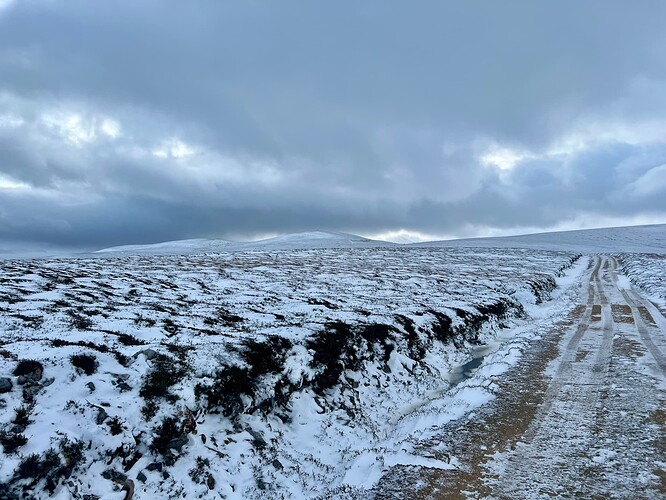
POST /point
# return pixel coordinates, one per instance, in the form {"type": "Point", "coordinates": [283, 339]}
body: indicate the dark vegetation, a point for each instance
{"type": "Point", "coordinates": [87, 363]}
{"type": "Point", "coordinates": [52, 467]}
{"type": "Point", "coordinates": [231, 383]}
{"type": "Point", "coordinates": [165, 373]}
{"type": "Point", "coordinates": [29, 368]}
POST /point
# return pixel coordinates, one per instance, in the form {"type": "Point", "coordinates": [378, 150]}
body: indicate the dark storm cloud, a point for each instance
{"type": "Point", "coordinates": [130, 121]}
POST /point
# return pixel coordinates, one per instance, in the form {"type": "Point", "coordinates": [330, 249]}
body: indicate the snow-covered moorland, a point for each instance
{"type": "Point", "coordinates": [250, 374]}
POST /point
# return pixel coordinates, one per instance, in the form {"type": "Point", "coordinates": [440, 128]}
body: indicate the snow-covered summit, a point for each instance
{"type": "Point", "coordinates": [312, 239]}
{"type": "Point", "coordinates": [295, 241]}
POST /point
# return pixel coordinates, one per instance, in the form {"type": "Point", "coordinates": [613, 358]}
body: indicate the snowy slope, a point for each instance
{"type": "Point", "coordinates": [634, 239]}
{"type": "Point", "coordinates": [192, 246]}
{"type": "Point", "coordinates": [251, 374]}
{"type": "Point", "coordinates": [306, 240]}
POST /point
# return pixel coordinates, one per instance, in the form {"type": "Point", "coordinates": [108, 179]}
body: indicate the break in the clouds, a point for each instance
{"type": "Point", "coordinates": [130, 122]}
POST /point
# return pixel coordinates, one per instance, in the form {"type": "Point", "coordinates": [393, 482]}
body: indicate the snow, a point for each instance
{"type": "Point", "coordinates": [634, 239]}
{"type": "Point", "coordinates": [368, 349]}
{"type": "Point", "coordinates": [200, 312]}
{"type": "Point", "coordinates": [305, 240]}
{"type": "Point", "coordinates": [648, 273]}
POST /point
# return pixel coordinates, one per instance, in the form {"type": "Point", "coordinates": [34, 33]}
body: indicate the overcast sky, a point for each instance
{"type": "Point", "coordinates": [144, 121]}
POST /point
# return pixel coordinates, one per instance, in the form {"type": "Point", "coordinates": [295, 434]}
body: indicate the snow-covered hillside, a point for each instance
{"type": "Point", "coordinates": [307, 240]}
{"type": "Point", "coordinates": [635, 239]}
{"type": "Point", "coordinates": [251, 374]}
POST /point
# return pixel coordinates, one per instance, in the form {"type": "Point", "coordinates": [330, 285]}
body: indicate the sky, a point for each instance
{"type": "Point", "coordinates": [127, 122]}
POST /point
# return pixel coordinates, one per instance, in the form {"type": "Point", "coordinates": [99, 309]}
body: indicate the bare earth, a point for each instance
{"type": "Point", "coordinates": [582, 416]}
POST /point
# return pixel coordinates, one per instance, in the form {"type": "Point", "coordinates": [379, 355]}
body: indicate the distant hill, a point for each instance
{"type": "Point", "coordinates": [306, 240]}
{"type": "Point", "coordinates": [632, 239]}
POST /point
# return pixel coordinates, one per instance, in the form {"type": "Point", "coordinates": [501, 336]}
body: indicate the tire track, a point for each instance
{"type": "Point", "coordinates": [572, 406]}
{"type": "Point", "coordinates": [568, 357]}
{"type": "Point", "coordinates": [642, 326]}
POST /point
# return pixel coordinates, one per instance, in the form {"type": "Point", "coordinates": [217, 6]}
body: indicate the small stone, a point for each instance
{"type": "Point", "coordinates": [277, 464]}
{"type": "Point", "coordinates": [210, 481]}
{"type": "Point", "coordinates": [21, 379]}
{"type": "Point", "coordinates": [149, 354]}
{"type": "Point", "coordinates": [141, 477]}
{"type": "Point", "coordinates": [91, 387]}
{"type": "Point", "coordinates": [114, 475]}
{"type": "Point", "coordinates": [5, 385]}
{"type": "Point", "coordinates": [101, 416]}
{"type": "Point", "coordinates": [257, 439]}
{"type": "Point", "coordinates": [177, 443]}
{"type": "Point", "coordinates": [154, 466]}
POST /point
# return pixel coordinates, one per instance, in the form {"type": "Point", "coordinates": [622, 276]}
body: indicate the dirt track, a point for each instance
{"type": "Point", "coordinates": [583, 415]}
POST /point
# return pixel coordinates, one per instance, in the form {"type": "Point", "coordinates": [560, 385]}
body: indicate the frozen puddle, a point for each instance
{"type": "Point", "coordinates": [455, 377]}
{"type": "Point", "coordinates": [467, 370]}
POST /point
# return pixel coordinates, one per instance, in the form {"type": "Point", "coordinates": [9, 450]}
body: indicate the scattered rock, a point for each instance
{"type": "Point", "coordinates": [101, 416]}
{"type": "Point", "coordinates": [257, 439]}
{"type": "Point", "coordinates": [30, 391]}
{"type": "Point", "coordinates": [91, 387]}
{"type": "Point", "coordinates": [30, 369]}
{"type": "Point", "coordinates": [114, 475]}
{"type": "Point", "coordinates": [141, 477]}
{"type": "Point", "coordinates": [154, 466]}
{"type": "Point", "coordinates": [119, 381]}
{"type": "Point", "coordinates": [149, 354]}
{"type": "Point", "coordinates": [177, 443]}
{"type": "Point", "coordinates": [5, 385]}
{"type": "Point", "coordinates": [277, 464]}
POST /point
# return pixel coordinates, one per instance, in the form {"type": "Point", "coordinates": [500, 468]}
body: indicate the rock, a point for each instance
{"type": "Point", "coordinates": [30, 370]}
{"type": "Point", "coordinates": [21, 379]}
{"type": "Point", "coordinates": [141, 477]}
{"type": "Point", "coordinates": [114, 475]}
{"type": "Point", "coordinates": [210, 481]}
{"type": "Point", "coordinates": [119, 381]}
{"type": "Point", "coordinates": [277, 464]}
{"type": "Point", "coordinates": [149, 354]}
{"type": "Point", "coordinates": [154, 466]}
{"type": "Point", "coordinates": [101, 416]}
{"type": "Point", "coordinates": [177, 443]}
{"type": "Point", "coordinates": [257, 439]}
{"type": "Point", "coordinates": [30, 391]}
{"type": "Point", "coordinates": [5, 385]}
{"type": "Point", "coordinates": [91, 387]}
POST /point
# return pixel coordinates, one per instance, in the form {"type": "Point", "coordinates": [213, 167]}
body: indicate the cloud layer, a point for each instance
{"type": "Point", "coordinates": [133, 122]}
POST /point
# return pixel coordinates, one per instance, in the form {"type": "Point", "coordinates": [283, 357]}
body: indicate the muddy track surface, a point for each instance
{"type": "Point", "coordinates": [583, 415]}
